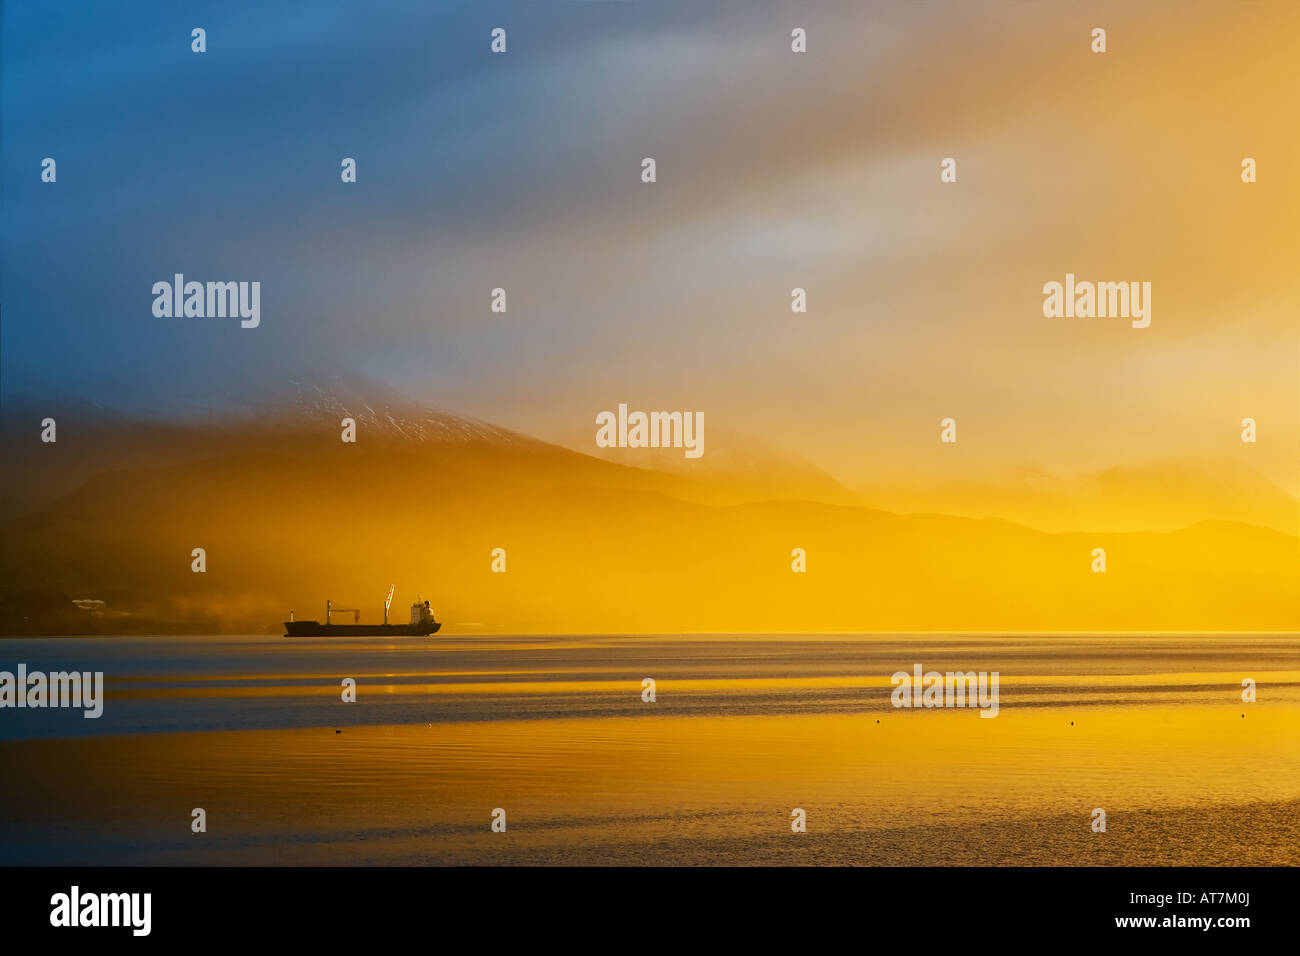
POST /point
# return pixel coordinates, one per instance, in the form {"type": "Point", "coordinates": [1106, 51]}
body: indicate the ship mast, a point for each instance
{"type": "Point", "coordinates": [388, 602]}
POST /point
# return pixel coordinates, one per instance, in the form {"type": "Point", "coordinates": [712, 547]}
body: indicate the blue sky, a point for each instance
{"type": "Point", "coordinates": [225, 165]}
{"type": "Point", "coordinates": [775, 171]}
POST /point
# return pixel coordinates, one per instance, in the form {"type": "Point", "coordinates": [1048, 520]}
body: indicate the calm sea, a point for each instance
{"type": "Point", "coordinates": [744, 730]}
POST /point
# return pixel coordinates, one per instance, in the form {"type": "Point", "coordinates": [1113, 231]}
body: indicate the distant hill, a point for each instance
{"type": "Point", "coordinates": [737, 467]}
{"type": "Point", "coordinates": [289, 515]}
{"type": "Point", "coordinates": [1161, 496]}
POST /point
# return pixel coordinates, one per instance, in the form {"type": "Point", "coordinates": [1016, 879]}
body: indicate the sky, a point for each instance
{"type": "Point", "coordinates": [775, 170]}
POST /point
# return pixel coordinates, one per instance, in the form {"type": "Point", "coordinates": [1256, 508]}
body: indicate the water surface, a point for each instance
{"type": "Point", "coordinates": [744, 729]}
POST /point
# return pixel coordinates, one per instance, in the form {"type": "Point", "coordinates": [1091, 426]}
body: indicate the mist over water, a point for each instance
{"type": "Point", "coordinates": [743, 729]}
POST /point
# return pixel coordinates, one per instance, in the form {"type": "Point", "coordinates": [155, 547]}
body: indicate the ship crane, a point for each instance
{"type": "Point", "coordinates": [330, 609]}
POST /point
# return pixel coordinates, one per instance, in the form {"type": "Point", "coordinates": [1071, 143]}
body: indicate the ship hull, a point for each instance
{"type": "Point", "coordinates": [317, 629]}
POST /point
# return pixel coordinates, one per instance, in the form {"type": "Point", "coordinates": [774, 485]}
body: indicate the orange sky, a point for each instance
{"type": "Point", "coordinates": [925, 299]}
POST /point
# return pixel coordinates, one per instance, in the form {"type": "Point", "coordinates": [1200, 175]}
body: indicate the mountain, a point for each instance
{"type": "Point", "coordinates": [1161, 496]}
{"type": "Point", "coordinates": [289, 515]}
{"type": "Point", "coordinates": [738, 467]}
{"type": "Point", "coordinates": [306, 420]}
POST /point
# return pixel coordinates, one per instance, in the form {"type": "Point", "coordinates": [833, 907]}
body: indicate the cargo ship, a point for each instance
{"type": "Point", "coordinates": [422, 623]}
